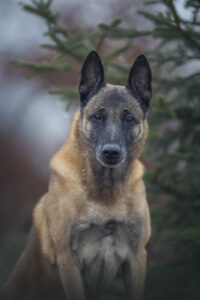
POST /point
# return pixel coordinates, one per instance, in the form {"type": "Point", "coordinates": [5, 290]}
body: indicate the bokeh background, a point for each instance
{"type": "Point", "coordinates": [35, 124]}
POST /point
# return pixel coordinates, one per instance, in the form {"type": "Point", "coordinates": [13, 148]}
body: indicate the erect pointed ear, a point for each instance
{"type": "Point", "coordinates": [139, 81]}
{"type": "Point", "coordinates": [92, 77]}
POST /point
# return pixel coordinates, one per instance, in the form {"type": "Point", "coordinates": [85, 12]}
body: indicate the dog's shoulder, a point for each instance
{"type": "Point", "coordinates": [40, 221]}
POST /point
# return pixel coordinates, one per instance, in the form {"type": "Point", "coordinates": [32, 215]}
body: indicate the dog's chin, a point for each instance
{"type": "Point", "coordinates": [110, 164]}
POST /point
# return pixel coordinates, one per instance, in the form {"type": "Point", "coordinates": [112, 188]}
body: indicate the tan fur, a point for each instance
{"type": "Point", "coordinates": [64, 239]}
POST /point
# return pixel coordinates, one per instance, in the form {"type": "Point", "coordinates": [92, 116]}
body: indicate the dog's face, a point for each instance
{"type": "Point", "coordinates": [113, 116]}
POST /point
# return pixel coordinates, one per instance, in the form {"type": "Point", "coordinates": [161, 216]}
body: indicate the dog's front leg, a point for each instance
{"type": "Point", "coordinates": [134, 272]}
{"type": "Point", "coordinates": [71, 278]}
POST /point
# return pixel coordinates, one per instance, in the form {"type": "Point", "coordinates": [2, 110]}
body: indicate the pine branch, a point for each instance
{"type": "Point", "coordinates": [171, 6]}
{"type": "Point", "coordinates": [42, 9]}
{"type": "Point", "coordinates": [44, 66]}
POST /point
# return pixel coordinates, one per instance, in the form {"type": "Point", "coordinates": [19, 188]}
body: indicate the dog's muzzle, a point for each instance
{"type": "Point", "coordinates": [111, 155]}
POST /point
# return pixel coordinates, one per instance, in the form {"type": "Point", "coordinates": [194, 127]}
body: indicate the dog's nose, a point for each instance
{"type": "Point", "coordinates": [111, 151]}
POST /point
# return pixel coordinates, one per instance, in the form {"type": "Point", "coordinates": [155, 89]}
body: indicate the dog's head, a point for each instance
{"type": "Point", "coordinates": [113, 117]}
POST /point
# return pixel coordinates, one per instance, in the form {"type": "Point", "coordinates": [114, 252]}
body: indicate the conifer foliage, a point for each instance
{"type": "Point", "coordinates": [174, 145]}
{"type": "Point", "coordinates": [174, 142]}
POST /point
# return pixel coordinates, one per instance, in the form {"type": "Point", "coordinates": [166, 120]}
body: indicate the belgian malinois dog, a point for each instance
{"type": "Point", "coordinates": [94, 220]}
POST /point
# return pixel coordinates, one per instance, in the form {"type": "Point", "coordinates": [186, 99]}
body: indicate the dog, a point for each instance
{"type": "Point", "coordinates": [94, 221]}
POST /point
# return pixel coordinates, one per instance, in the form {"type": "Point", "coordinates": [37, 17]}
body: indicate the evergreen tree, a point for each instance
{"type": "Point", "coordinates": [174, 145]}
{"type": "Point", "coordinates": [174, 141]}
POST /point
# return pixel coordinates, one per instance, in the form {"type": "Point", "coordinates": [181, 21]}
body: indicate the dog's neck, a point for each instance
{"type": "Point", "coordinates": [105, 183]}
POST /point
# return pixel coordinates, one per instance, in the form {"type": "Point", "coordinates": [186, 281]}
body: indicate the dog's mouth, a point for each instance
{"type": "Point", "coordinates": [109, 163]}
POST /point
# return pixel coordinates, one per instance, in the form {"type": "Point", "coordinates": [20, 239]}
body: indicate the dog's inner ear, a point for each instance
{"type": "Point", "coordinates": [139, 81]}
{"type": "Point", "coordinates": [92, 77]}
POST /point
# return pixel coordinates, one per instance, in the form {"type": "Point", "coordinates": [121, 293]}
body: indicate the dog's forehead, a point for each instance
{"type": "Point", "coordinates": [114, 97]}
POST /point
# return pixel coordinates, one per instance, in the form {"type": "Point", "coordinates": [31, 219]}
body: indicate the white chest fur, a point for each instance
{"type": "Point", "coordinates": [101, 247]}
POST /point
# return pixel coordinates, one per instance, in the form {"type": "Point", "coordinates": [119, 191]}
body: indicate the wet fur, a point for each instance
{"type": "Point", "coordinates": [93, 221]}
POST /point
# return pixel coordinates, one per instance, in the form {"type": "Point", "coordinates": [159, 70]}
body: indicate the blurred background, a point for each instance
{"type": "Point", "coordinates": [34, 124]}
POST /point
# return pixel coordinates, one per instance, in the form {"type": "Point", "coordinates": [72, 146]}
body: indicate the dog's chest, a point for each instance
{"type": "Point", "coordinates": [101, 247]}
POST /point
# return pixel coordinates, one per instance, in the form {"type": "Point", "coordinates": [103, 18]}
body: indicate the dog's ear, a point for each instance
{"type": "Point", "coordinates": [139, 81]}
{"type": "Point", "coordinates": [92, 77]}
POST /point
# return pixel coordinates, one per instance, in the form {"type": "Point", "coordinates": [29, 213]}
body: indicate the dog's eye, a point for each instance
{"type": "Point", "coordinates": [98, 116]}
{"type": "Point", "coordinates": [128, 117]}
